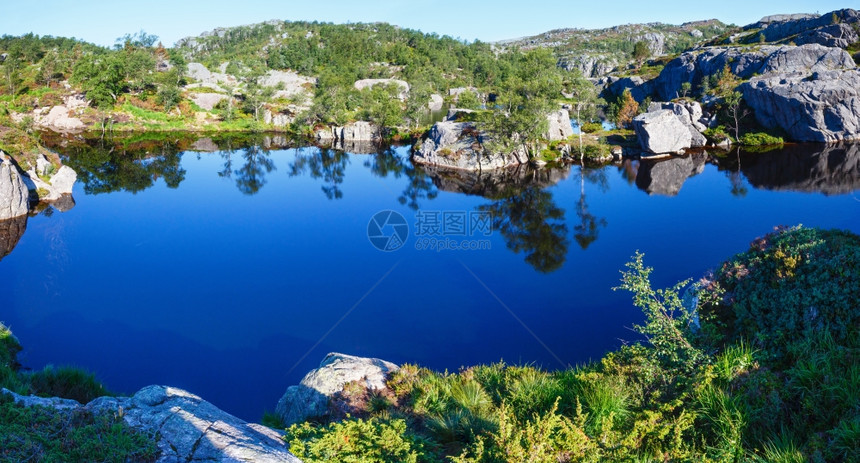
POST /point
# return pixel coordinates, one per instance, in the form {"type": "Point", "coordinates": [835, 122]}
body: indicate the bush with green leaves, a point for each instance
{"type": "Point", "coordinates": [759, 139]}
{"type": "Point", "coordinates": [358, 440]}
{"type": "Point", "coordinates": [591, 127]}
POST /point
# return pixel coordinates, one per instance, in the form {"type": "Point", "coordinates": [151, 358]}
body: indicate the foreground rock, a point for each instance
{"type": "Point", "coordinates": [819, 106]}
{"type": "Point", "coordinates": [662, 131]}
{"type": "Point", "coordinates": [458, 145]}
{"type": "Point", "coordinates": [190, 429]}
{"type": "Point", "coordinates": [14, 195]}
{"type": "Point", "coordinates": [187, 428]}
{"type": "Point", "coordinates": [311, 397]}
{"type": "Point", "coordinates": [668, 176]}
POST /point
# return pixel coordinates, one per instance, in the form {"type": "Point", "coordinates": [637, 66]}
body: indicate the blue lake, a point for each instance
{"type": "Point", "coordinates": [232, 273]}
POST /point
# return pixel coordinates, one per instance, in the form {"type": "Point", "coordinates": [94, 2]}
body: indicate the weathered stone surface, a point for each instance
{"type": "Point", "coordinates": [458, 145]}
{"type": "Point", "coordinates": [310, 398]}
{"type": "Point", "coordinates": [668, 176]}
{"type": "Point", "coordinates": [435, 103]}
{"type": "Point", "coordinates": [200, 73]}
{"type": "Point", "coordinates": [59, 184]}
{"type": "Point", "coordinates": [207, 101]}
{"type": "Point", "coordinates": [367, 83]}
{"type": "Point", "coordinates": [360, 131]}
{"type": "Point", "coordinates": [821, 106]}
{"type": "Point", "coordinates": [662, 132]}
{"type": "Point", "coordinates": [693, 66]}
{"type": "Point", "coordinates": [832, 29]}
{"type": "Point", "coordinates": [639, 88]}
{"type": "Point", "coordinates": [14, 194]}
{"type": "Point", "coordinates": [59, 119]}
{"type": "Point", "coordinates": [290, 83]}
{"type": "Point", "coordinates": [589, 65]}
{"type": "Point", "coordinates": [11, 231]}
{"type": "Point", "coordinates": [190, 429]}
{"type": "Point", "coordinates": [690, 114]}
{"type": "Point", "coordinates": [559, 125]}
{"type": "Point", "coordinates": [34, 401]}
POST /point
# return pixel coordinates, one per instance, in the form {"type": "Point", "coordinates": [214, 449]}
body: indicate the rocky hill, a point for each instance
{"type": "Point", "coordinates": [597, 52]}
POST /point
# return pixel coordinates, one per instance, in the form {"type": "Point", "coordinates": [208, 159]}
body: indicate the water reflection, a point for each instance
{"type": "Point", "coordinates": [11, 231]}
{"type": "Point", "coordinates": [666, 177]}
{"type": "Point", "coordinates": [588, 228]}
{"type": "Point", "coordinates": [322, 163]}
{"type": "Point", "coordinates": [833, 170]}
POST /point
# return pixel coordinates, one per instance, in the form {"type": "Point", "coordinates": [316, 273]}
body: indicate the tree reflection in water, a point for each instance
{"type": "Point", "coordinates": [322, 163]}
{"type": "Point", "coordinates": [588, 228]}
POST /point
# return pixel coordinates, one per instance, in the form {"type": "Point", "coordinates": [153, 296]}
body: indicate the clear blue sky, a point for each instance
{"type": "Point", "coordinates": [102, 21]}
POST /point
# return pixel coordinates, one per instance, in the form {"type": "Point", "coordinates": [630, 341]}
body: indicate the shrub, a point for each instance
{"type": "Point", "coordinates": [357, 440]}
{"type": "Point", "coordinates": [9, 348]}
{"type": "Point", "coordinates": [790, 283]}
{"type": "Point", "coordinates": [66, 382]}
{"type": "Point", "coordinates": [759, 139]}
{"type": "Point", "coordinates": [597, 153]}
{"type": "Point", "coordinates": [591, 127]}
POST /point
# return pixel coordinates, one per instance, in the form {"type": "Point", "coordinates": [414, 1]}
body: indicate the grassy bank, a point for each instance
{"type": "Point", "coordinates": [767, 370]}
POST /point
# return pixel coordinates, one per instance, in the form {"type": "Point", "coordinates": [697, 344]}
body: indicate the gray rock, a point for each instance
{"type": "Point", "coordinates": [360, 131]}
{"type": "Point", "coordinates": [589, 65]}
{"type": "Point", "coordinates": [458, 145]}
{"type": "Point", "coordinates": [64, 203]}
{"type": "Point", "coordinates": [207, 101]}
{"type": "Point", "coordinates": [689, 113]}
{"type": "Point", "coordinates": [662, 132]}
{"type": "Point", "coordinates": [11, 231]}
{"type": "Point", "coordinates": [49, 402]}
{"type": "Point", "coordinates": [310, 398]}
{"type": "Point", "coordinates": [14, 194]}
{"type": "Point", "coordinates": [694, 66]}
{"type": "Point", "coordinates": [63, 181]}
{"type": "Point", "coordinates": [190, 429]}
{"type": "Point", "coordinates": [559, 125]}
{"type": "Point", "coordinates": [668, 176]}
{"type": "Point", "coordinates": [805, 27]}
{"type": "Point", "coordinates": [820, 107]}
{"type": "Point", "coordinates": [435, 103]}
{"type": "Point", "coordinates": [204, 144]}
{"type": "Point", "coordinates": [639, 88]}
{"type": "Point", "coordinates": [367, 83]}
{"type": "Point", "coordinates": [200, 73]}
{"type": "Point", "coordinates": [59, 119]}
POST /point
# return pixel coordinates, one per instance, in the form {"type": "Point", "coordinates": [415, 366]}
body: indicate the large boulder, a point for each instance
{"type": "Point", "coordinates": [189, 428]}
{"type": "Point", "coordinates": [459, 145]}
{"type": "Point", "coordinates": [666, 177]}
{"type": "Point", "coordinates": [559, 125]}
{"type": "Point", "coordinates": [311, 397]}
{"type": "Point", "coordinates": [818, 106]}
{"type": "Point", "coordinates": [662, 132]}
{"type": "Point", "coordinates": [207, 101]}
{"type": "Point", "coordinates": [360, 131]}
{"type": "Point", "coordinates": [290, 84]}
{"type": "Point", "coordinates": [13, 190]}
{"type": "Point", "coordinates": [60, 119]}
{"type": "Point", "coordinates": [14, 194]}
{"type": "Point", "coordinates": [367, 83]}
{"type": "Point", "coordinates": [639, 87]}
{"type": "Point", "coordinates": [436, 102]}
{"type": "Point", "coordinates": [745, 62]}
{"type": "Point", "coordinates": [199, 72]}
{"type": "Point", "coordinates": [690, 114]}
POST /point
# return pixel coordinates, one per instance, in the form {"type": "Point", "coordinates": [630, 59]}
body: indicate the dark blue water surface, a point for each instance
{"type": "Point", "coordinates": [232, 273]}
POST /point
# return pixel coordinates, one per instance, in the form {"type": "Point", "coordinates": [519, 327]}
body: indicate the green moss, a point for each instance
{"type": "Point", "coordinates": [759, 139]}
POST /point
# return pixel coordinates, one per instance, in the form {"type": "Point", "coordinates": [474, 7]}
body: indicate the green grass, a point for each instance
{"type": "Point", "coordinates": [47, 435]}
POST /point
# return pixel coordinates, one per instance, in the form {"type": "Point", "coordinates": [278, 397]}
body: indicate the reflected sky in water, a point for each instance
{"type": "Point", "coordinates": [220, 272]}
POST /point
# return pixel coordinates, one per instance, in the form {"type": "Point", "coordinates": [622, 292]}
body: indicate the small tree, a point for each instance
{"type": "Point", "coordinates": [586, 101]}
{"type": "Point", "coordinates": [641, 52]}
{"type": "Point", "coordinates": [628, 108]}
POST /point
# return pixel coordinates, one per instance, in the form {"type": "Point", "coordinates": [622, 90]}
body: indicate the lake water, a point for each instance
{"type": "Point", "coordinates": [231, 273]}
